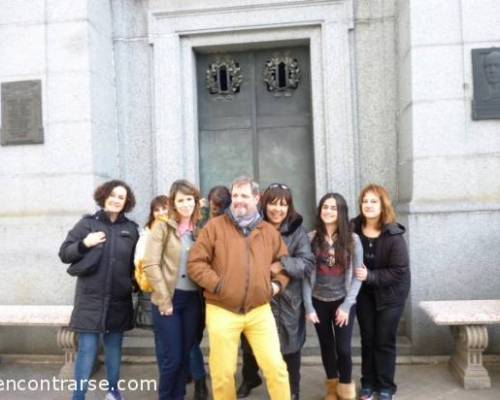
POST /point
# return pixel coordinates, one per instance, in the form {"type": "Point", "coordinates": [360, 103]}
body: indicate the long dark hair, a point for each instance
{"type": "Point", "coordinates": [343, 242]}
{"type": "Point", "coordinates": [158, 201]}
{"type": "Point", "coordinates": [221, 197]}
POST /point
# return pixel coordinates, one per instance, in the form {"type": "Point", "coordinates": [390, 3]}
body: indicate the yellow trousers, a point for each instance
{"type": "Point", "coordinates": [224, 330]}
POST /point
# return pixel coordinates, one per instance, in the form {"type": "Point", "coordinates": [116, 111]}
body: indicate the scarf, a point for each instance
{"type": "Point", "coordinates": [245, 223]}
{"type": "Point", "coordinates": [185, 227]}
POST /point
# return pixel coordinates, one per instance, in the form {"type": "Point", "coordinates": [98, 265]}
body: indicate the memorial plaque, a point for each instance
{"type": "Point", "coordinates": [21, 113]}
{"type": "Point", "coordinates": [486, 78]}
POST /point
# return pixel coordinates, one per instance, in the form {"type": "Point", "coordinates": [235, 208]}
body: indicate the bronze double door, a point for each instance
{"type": "Point", "coordinates": [254, 111]}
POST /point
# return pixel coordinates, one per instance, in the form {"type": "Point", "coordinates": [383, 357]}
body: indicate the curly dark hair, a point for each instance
{"type": "Point", "coordinates": [104, 191]}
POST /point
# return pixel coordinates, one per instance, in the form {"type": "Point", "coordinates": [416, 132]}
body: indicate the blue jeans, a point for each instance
{"type": "Point", "coordinates": [88, 345]}
{"type": "Point", "coordinates": [196, 363]}
{"type": "Point", "coordinates": [175, 335]}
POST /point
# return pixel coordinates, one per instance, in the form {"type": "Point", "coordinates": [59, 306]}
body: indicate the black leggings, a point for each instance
{"type": "Point", "coordinates": [250, 369]}
{"type": "Point", "coordinates": [335, 342]}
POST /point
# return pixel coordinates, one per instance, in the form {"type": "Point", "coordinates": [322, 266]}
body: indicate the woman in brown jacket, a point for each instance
{"type": "Point", "coordinates": [176, 301]}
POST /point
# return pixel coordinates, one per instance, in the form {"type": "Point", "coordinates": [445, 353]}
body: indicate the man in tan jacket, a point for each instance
{"type": "Point", "coordinates": [236, 260]}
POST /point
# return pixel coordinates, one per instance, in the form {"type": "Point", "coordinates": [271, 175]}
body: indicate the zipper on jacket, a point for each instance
{"type": "Point", "coordinates": [247, 283]}
{"type": "Point", "coordinates": [109, 276]}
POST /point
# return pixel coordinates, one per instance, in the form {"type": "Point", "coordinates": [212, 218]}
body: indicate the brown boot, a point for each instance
{"type": "Point", "coordinates": [331, 389]}
{"type": "Point", "coordinates": [346, 391]}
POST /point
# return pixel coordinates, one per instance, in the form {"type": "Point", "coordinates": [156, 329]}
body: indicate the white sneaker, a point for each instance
{"type": "Point", "coordinates": [111, 396]}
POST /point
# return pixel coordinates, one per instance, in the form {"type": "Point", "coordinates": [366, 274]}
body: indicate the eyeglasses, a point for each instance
{"type": "Point", "coordinates": [278, 185]}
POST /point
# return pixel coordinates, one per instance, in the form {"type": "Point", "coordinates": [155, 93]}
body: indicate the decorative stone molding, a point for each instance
{"type": "Point", "coordinates": [178, 29]}
{"type": "Point", "coordinates": [466, 363]}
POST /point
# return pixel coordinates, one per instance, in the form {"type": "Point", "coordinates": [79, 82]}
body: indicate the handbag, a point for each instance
{"type": "Point", "coordinates": [143, 317]}
{"type": "Point", "coordinates": [90, 261]}
{"type": "Point", "coordinates": [88, 264]}
{"type": "Point", "coordinates": [141, 278]}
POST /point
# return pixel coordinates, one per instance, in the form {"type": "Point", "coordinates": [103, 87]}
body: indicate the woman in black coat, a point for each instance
{"type": "Point", "coordinates": [386, 283]}
{"type": "Point", "coordinates": [100, 249]}
{"type": "Point", "coordinates": [288, 307]}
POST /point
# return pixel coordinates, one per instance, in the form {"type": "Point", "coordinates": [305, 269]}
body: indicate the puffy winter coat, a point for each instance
{"type": "Point", "coordinates": [103, 296]}
{"type": "Point", "coordinates": [288, 307]}
{"type": "Point", "coordinates": [390, 279]}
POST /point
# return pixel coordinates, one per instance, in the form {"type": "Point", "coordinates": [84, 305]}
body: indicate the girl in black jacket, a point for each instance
{"type": "Point", "coordinates": [386, 283]}
{"type": "Point", "coordinates": [100, 249]}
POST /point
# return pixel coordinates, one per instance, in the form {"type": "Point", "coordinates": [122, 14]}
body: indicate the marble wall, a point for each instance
{"type": "Point", "coordinates": [408, 127]}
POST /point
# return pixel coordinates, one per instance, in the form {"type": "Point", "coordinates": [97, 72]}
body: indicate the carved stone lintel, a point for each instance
{"type": "Point", "coordinates": [67, 341]}
{"type": "Point", "coordinates": [466, 363]}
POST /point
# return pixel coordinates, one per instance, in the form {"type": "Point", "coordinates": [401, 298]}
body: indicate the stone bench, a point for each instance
{"type": "Point", "coordinates": [467, 320]}
{"type": "Point", "coordinates": [46, 315]}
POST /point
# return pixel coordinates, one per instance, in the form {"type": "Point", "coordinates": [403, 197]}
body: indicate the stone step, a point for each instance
{"type": "Point", "coordinates": [139, 342]}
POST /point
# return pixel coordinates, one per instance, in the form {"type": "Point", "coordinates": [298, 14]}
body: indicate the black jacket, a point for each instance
{"type": "Point", "coordinates": [390, 278]}
{"type": "Point", "coordinates": [288, 307]}
{"type": "Point", "coordinates": [103, 301]}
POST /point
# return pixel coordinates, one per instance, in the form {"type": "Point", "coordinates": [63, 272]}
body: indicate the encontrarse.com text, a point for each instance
{"type": "Point", "coordinates": [57, 384]}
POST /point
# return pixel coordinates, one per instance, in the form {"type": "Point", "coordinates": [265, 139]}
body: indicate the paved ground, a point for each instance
{"type": "Point", "coordinates": [416, 382]}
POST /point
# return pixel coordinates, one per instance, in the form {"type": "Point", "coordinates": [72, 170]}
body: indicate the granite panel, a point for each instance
{"type": "Point", "coordinates": [453, 256]}
{"type": "Point", "coordinates": [14, 12]}
{"type": "Point", "coordinates": [46, 315]}
{"type": "Point", "coordinates": [436, 22]}
{"type": "Point", "coordinates": [437, 72]}
{"type": "Point", "coordinates": [67, 46]}
{"type": "Point", "coordinates": [480, 20]}
{"type": "Point", "coordinates": [463, 312]}
{"type": "Point", "coordinates": [29, 61]}
{"type": "Point", "coordinates": [64, 10]}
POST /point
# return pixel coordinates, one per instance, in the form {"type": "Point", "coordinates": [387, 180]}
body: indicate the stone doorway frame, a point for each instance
{"type": "Point", "coordinates": [177, 31]}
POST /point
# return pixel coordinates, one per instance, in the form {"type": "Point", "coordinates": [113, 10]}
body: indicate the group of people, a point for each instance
{"type": "Point", "coordinates": [246, 267]}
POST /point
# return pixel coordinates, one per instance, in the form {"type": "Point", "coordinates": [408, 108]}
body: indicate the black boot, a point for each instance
{"type": "Point", "coordinates": [246, 387]}
{"type": "Point", "coordinates": [200, 389]}
{"type": "Point", "coordinates": [295, 396]}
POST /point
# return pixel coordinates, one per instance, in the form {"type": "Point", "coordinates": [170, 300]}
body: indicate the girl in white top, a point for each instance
{"type": "Point", "coordinates": [157, 208]}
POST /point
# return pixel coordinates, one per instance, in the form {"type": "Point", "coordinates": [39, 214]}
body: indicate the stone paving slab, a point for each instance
{"type": "Point", "coordinates": [416, 382]}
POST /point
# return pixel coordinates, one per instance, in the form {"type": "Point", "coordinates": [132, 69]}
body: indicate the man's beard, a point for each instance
{"type": "Point", "coordinates": [240, 211]}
